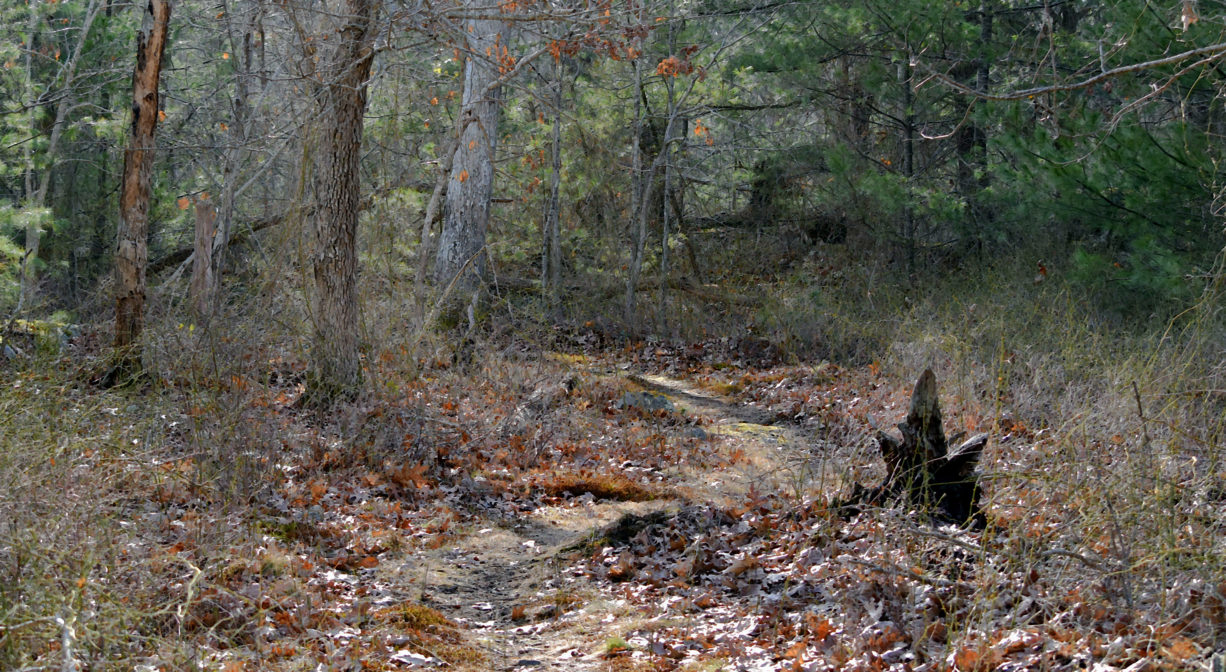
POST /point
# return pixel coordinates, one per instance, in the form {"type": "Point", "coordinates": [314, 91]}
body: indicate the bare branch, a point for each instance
{"type": "Point", "coordinates": [1206, 54]}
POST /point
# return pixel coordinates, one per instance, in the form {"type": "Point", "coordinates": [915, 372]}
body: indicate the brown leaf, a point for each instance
{"type": "Point", "coordinates": [1180, 650]}
{"type": "Point", "coordinates": [743, 563]}
{"type": "Point", "coordinates": [623, 569]}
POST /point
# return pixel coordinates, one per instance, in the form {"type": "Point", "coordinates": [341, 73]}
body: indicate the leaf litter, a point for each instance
{"type": "Point", "coordinates": [517, 522]}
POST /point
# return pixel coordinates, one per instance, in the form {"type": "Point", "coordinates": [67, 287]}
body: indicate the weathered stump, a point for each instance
{"type": "Point", "coordinates": [920, 466]}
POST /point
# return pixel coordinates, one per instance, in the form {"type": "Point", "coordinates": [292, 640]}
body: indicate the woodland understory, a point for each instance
{"type": "Point", "coordinates": [206, 520]}
{"type": "Point", "coordinates": [575, 335]}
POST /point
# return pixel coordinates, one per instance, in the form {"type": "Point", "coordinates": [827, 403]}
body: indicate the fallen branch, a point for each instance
{"type": "Point", "coordinates": [255, 226]}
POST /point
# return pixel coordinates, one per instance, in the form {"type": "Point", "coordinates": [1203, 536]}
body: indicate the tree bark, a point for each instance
{"type": "Point", "coordinates": [909, 232]}
{"type": "Point", "coordinates": [132, 253]}
{"type": "Point", "coordinates": [461, 249]}
{"type": "Point", "coordinates": [201, 289]}
{"type": "Point", "coordinates": [551, 252]}
{"type": "Point", "coordinates": [638, 226]}
{"type": "Point", "coordinates": [236, 151]}
{"type": "Point", "coordinates": [340, 97]}
{"type": "Point", "coordinates": [33, 226]}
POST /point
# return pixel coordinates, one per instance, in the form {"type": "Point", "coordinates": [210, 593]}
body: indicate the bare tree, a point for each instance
{"type": "Point", "coordinates": [201, 288]}
{"type": "Point", "coordinates": [132, 253]}
{"type": "Point", "coordinates": [467, 209]}
{"type": "Point", "coordinates": [37, 194]}
{"type": "Point", "coordinates": [551, 247]}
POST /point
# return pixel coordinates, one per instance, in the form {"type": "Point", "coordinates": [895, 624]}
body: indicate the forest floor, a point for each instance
{"type": "Point", "coordinates": [521, 586]}
{"type": "Point", "coordinates": [644, 507]}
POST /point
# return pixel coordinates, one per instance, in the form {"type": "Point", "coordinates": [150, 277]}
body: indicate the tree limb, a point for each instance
{"type": "Point", "coordinates": [1207, 54]}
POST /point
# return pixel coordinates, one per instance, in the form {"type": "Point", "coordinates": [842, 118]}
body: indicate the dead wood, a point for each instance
{"type": "Point", "coordinates": [921, 468]}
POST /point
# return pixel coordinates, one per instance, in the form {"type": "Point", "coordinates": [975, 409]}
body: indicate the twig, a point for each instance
{"type": "Point", "coordinates": [909, 573]}
{"type": "Point", "coordinates": [946, 538]}
{"type": "Point", "coordinates": [1088, 562]}
{"type": "Point", "coordinates": [1208, 53]}
{"type": "Point", "coordinates": [1136, 393]}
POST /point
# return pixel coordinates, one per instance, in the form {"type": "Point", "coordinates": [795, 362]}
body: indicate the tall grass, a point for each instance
{"type": "Point", "coordinates": [1107, 431]}
{"type": "Point", "coordinates": [70, 461]}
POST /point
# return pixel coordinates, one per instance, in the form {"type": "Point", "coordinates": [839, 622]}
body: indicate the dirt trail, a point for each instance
{"type": "Point", "coordinates": [775, 455]}
{"type": "Point", "coordinates": [503, 579]}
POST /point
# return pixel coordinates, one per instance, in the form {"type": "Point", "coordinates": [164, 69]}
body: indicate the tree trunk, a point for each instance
{"type": "Point", "coordinates": [461, 249]}
{"type": "Point", "coordinates": [678, 203]}
{"type": "Point", "coordinates": [551, 253]}
{"type": "Point", "coordinates": [38, 195]}
{"type": "Point", "coordinates": [340, 97]}
{"type": "Point", "coordinates": [201, 289]}
{"type": "Point", "coordinates": [920, 467]}
{"type": "Point", "coordinates": [27, 150]}
{"type": "Point", "coordinates": [909, 232]}
{"type": "Point", "coordinates": [638, 226]}
{"type": "Point", "coordinates": [971, 140]}
{"type": "Point", "coordinates": [236, 152]}
{"type": "Point", "coordinates": [425, 250]}
{"type": "Point", "coordinates": [132, 253]}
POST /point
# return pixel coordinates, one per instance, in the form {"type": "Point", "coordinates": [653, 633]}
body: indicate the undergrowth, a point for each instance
{"type": "Point", "coordinates": [201, 519]}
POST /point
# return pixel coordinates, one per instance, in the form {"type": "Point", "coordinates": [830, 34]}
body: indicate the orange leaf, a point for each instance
{"type": "Point", "coordinates": [411, 476]}
{"type": "Point", "coordinates": [1181, 650]}
{"type": "Point", "coordinates": [463, 175]}
{"type": "Point", "coordinates": [183, 202]}
{"type": "Point", "coordinates": [225, 55]}
{"type": "Point", "coordinates": [161, 115]}
{"type": "Point", "coordinates": [965, 658]}
{"type": "Point", "coordinates": [368, 562]}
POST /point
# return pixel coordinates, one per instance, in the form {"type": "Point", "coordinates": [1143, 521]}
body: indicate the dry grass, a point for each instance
{"type": "Point", "coordinates": [615, 486]}
{"type": "Point", "coordinates": [134, 523]}
{"type": "Point", "coordinates": [1106, 469]}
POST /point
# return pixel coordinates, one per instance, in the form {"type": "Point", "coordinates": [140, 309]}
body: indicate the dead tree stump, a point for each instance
{"type": "Point", "coordinates": [920, 466]}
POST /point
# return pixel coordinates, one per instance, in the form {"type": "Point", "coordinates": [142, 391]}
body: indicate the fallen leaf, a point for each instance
{"type": "Point", "coordinates": [743, 563]}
